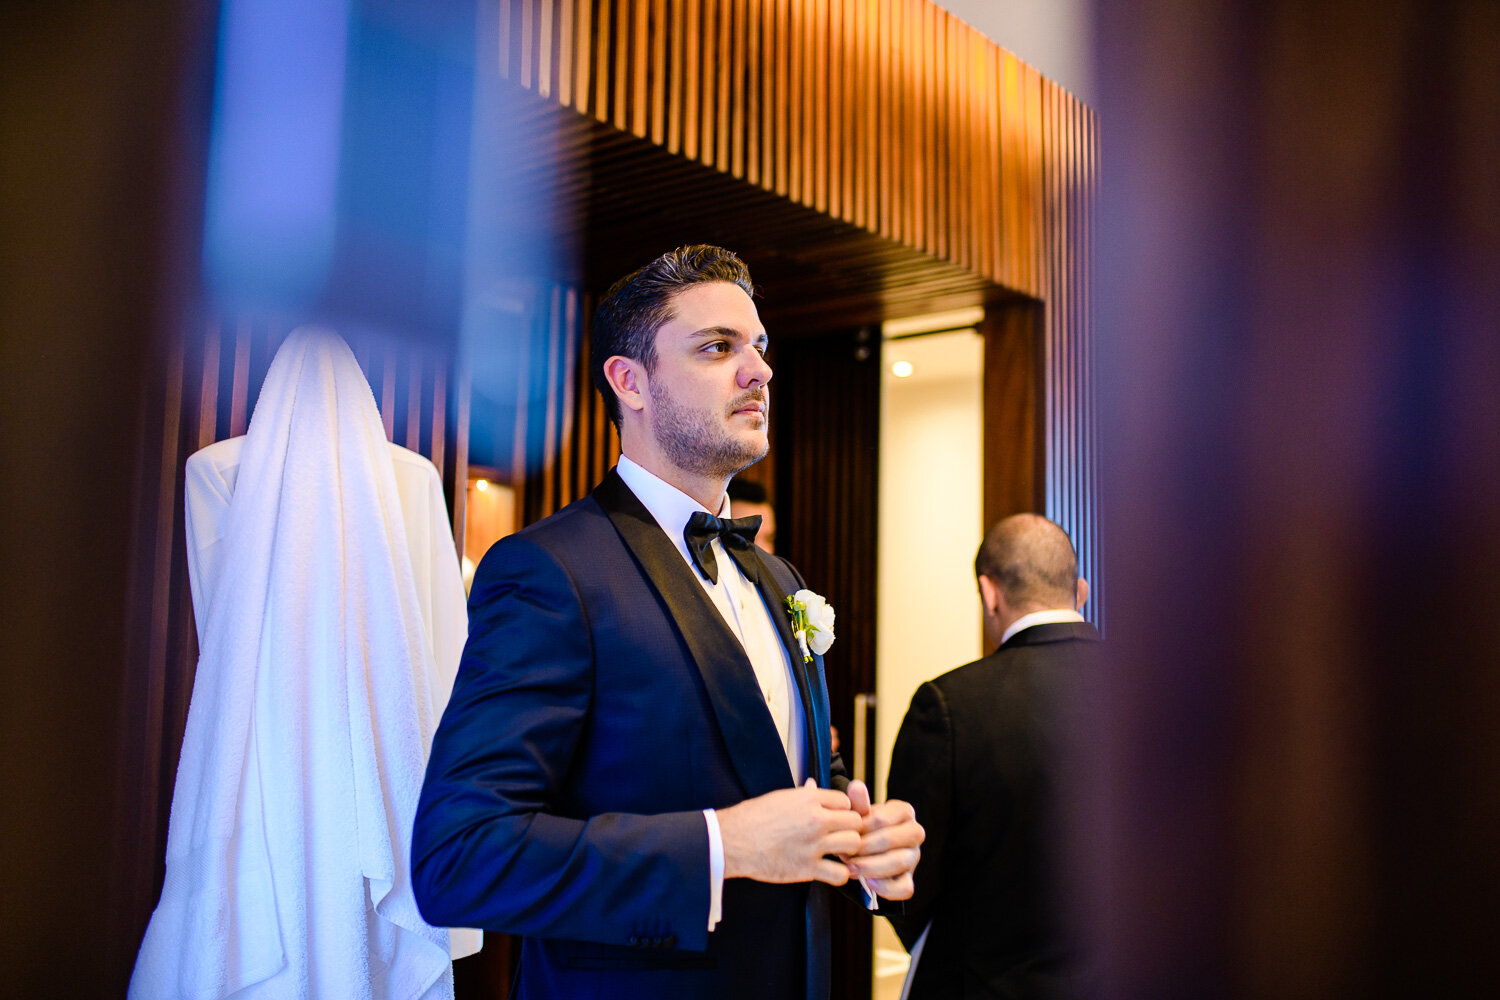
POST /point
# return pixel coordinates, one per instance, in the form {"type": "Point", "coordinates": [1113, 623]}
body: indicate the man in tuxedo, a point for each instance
{"type": "Point", "coordinates": [984, 755]}
{"type": "Point", "coordinates": [633, 771]}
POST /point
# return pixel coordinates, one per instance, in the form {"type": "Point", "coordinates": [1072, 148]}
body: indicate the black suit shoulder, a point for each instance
{"type": "Point", "coordinates": [982, 755]}
{"type": "Point", "coordinates": [1026, 668]}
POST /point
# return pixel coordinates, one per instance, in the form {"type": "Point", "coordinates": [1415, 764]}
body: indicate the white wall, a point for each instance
{"type": "Point", "coordinates": [931, 514]}
{"type": "Point", "coordinates": [1052, 35]}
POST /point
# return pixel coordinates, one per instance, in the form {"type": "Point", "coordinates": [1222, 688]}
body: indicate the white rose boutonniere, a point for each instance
{"type": "Point", "coordinates": [812, 622]}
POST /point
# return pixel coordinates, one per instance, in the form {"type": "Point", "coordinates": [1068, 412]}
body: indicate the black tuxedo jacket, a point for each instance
{"type": "Point", "coordinates": [602, 704]}
{"type": "Point", "coordinates": [983, 754]}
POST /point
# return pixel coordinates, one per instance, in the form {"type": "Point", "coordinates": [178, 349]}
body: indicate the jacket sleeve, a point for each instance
{"type": "Point", "coordinates": [496, 844]}
{"type": "Point", "coordinates": [922, 774]}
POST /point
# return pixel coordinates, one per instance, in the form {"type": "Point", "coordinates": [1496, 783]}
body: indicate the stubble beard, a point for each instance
{"type": "Point", "coordinates": [698, 442]}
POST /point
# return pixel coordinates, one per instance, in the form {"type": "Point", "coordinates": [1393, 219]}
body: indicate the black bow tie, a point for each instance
{"type": "Point", "coordinates": [737, 534]}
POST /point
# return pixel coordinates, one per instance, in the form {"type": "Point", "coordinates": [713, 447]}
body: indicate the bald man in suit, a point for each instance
{"type": "Point", "coordinates": [984, 756]}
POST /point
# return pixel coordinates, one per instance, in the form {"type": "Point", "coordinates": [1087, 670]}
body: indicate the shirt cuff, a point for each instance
{"type": "Point", "coordinates": [715, 870]}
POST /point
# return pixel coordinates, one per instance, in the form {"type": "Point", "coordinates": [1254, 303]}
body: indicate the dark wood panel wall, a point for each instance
{"type": "Point", "coordinates": [578, 444]}
{"type": "Point", "coordinates": [826, 447]}
{"type": "Point", "coordinates": [890, 115]}
{"type": "Point", "coordinates": [205, 386]}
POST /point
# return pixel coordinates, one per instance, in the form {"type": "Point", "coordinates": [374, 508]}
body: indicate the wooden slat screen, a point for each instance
{"type": "Point", "coordinates": [1070, 454]}
{"type": "Point", "coordinates": [210, 380]}
{"type": "Point", "coordinates": [577, 442]}
{"type": "Point", "coordinates": [891, 115]}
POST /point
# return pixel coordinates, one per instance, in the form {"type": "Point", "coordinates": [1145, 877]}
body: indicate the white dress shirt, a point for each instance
{"type": "Point", "coordinates": [744, 610]}
{"type": "Point", "coordinates": [1054, 616]}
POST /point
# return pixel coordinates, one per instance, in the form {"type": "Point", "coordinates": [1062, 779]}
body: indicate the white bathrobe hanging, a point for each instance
{"type": "Point", "coordinates": [325, 660]}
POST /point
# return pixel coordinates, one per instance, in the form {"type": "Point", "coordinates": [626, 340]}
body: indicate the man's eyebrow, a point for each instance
{"type": "Point", "coordinates": [727, 331]}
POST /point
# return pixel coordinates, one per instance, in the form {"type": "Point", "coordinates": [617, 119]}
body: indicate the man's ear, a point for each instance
{"type": "Point", "coordinates": [627, 378]}
{"type": "Point", "coordinates": [1083, 594]}
{"type": "Point", "coordinates": [990, 596]}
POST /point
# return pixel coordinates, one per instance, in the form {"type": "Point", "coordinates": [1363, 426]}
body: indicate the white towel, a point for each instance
{"type": "Point", "coordinates": [317, 691]}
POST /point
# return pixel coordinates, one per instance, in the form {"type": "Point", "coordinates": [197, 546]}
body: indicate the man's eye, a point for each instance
{"type": "Point", "coordinates": [716, 347]}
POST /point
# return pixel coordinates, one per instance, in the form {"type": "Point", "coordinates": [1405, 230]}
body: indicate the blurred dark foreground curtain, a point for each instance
{"type": "Point", "coordinates": [91, 97]}
{"type": "Point", "coordinates": [1299, 346]}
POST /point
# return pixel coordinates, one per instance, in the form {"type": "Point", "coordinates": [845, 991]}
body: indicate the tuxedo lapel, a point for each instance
{"type": "Point", "coordinates": [775, 595]}
{"type": "Point", "coordinates": [739, 706]}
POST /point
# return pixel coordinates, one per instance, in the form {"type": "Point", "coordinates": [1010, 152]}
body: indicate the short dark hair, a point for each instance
{"type": "Point", "coordinates": [627, 318]}
{"type": "Point", "coordinates": [747, 490]}
{"type": "Point", "coordinates": [1031, 560]}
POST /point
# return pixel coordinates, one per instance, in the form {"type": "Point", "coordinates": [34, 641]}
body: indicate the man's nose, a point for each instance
{"type": "Point", "coordinates": [755, 371]}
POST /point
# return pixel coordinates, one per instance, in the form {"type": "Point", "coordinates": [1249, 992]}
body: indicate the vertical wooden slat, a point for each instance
{"type": "Point", "coordinates": [877, 118]}
{"type": "Point", "coordinates": [239, 418]}
{"type": "Point", "coordinates": [550, 429]}
{"type": "Point", "coordinates": [505, 40]}
{"type": "Point", "coordinates": [584, 63]}
{"type": "Point", "coordinates": [587, 402]}
{"type": "Point", "coordinates": [938, 206]}
{"type": "Point", "coordinates": [567, 52]}
{"type": "Point", "coordinates": [567, 378]}
{"type": "Point", "coordinates": [545, 62]}
{"type": "Point", "coordinates": [756, 78]}
{"type": "Point", "coordinates": [208, 395]}
{"type": "Point", "coordinates": [601, 62]}
{"type": "Point", "coordinates": [169, 485]}
{"type": "Point", "coordinates": [954, 224]}
{"type": "Point", "coordinates": [460, 495]}
{"type": "Point", "coordinates": [518, 455]}
{"type": "Point", "coordinates": [659, 76]}
{"type": "Point", "coordinates": [808, 108]}
{"type": "Point", "coordinates": [921, 180]}
{"type": "Point", "coordinates": [783, 141]}
{"type": "Point", "coordinates": [708, 79]}
{"type": "Point", "coordinates": [678, 78]}
{"type": "Point", "coordinates": [414, 404]}
{"type": "Point", "coordinates": [388, 393]}
{"type": "Point", "coordinates": [725, 64]}
{"type": "Point", "coordinates": [439, 415]}
{"type": "Point", "coordinates": [793, 102]}
{"type": "Point", "coordinates": [856, 51]}
{"type": "Point", "coordinates": [989, 159]}
{"type": "Point", "coordinates": [640, 67]}
{"type": "Point", "coordinates": [913, 126]}
{"type": "Point", "coordinates": [821, 96]}
{"type": "Point", "coordinates": [528, 46]}
{"type": "Point", "coordinates": [740, 84]}
{"type": "Point", "coordinates": [692, 78]}
{"type": "Point", "coordinates": [620, 53]}
{"type": "Point", "coordinates": [857, 157]}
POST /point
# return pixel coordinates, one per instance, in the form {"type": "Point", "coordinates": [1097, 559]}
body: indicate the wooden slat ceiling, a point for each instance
{"type": "Point", "coordinates": [617, 201]}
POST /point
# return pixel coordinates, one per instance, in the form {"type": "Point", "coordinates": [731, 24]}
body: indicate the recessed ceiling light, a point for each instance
{"type": "Point", "coordinates": [902, 369]}
{"type": "Point", "coordinates": [481, 484]}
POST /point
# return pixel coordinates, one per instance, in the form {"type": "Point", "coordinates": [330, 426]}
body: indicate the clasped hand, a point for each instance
{"type": "Point", "coordinates": [811, 833]}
